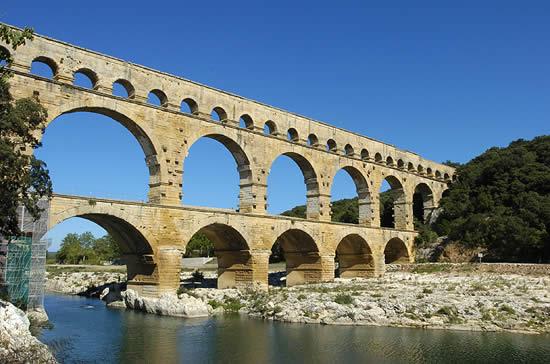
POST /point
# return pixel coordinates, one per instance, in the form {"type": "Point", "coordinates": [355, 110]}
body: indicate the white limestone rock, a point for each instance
{"type": "Point", "coordinates": [167, 305]}
{"type": "Point", "coordinates": [17, 345]}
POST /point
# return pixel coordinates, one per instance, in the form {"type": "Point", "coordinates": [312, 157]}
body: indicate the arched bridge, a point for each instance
{"type": "Point", "coordinates": [154, 234]}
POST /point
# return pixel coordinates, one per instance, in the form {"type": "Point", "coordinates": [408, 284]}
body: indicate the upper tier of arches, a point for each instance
{"type": "Point", "coordinates": [178, 95]}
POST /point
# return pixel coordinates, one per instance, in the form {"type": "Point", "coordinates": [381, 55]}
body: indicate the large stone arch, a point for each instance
{"type": "Point", "coordinates": [313, 207]}
{"type": "Point", "coordinates": [400, 213]}
{"type": "Point", "coordinates": [235, 268]}
{"type": "Point", "coordinates": [138, 247]}
{"type": "Point", "coordinates": [302, 256]}
{"type": "Point", "coordinates": [243, 162]}
{"type": "Point", "coordinates": [397, 252]}
{"type": "Point", "coordinates": [355, 257]}
{"type": "Point", "coordinates": [146, 139]}
{"type": "Point", "coordinates": [423, 202]}
{"type": "Point", "coordinates": [363, 193]}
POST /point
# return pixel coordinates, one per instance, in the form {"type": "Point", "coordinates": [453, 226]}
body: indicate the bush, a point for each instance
{"type": "Point", "coordinates": [343, 299]}
{"type": "Point", "coordinates": [198, 275]}
{"type": "Point", "coordinates": [232, 305]}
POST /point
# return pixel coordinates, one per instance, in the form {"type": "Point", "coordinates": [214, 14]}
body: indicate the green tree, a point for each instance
{"type": "Point", "coordinates": [85, 248]}
{"type": "Point", "coordinates": [24, 180]}
{"type": "Point", "coordinates": [199, 246]}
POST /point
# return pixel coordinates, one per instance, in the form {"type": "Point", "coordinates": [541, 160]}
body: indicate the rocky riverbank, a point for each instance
{"type": "Point", "coordinates": [427, 297]}
{"type": "Point", "coordinates": [82, 283]}
{"type": "Point", "coordinates": [17, 345]}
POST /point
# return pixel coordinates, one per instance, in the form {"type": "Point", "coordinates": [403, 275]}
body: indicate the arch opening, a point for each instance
{"type": "Point", "coordinates": [123, 88]}
{"type": "Point", "coordinates": [231, 252]}
{"type": "Point", "coordinates": [218, 114]}
{"type": "Point", "coordinates": [365, 154]}
{"type": "Point", "coordinates": [189, 106]}
{"type": "Point", "coordinates": [396, 252]}
{"type": "Point", "coordinates": [246, 122]}
{"type": "Point", "coordinates": [85, 78]}
{"type": "Point", "coordinates": [198, 179]}
{"type": "Point", "coordinates": [378, 158]}
{"type": "Point", "coordinates": [95, 151]}
{"type": "Point", "coordinates": [354, 257]}
{"type": "Point", "coordinates": [389, 161]}
{"type": "Point", "coordinates": [354, 210]}
{"type": "Point", "coordinates": [281, 182]}
{"type": "Point", "coordinates": [348, 150]}
{"type": "Point", "coordinates": [270, 128]}
{"type": "Point", "coordinates": [393, 213]}
{"type": "Point", "coordinates": [44, 67]}
{"type": "Point", "coordinates": [400, 164]}
{"type": "Point", "coordinates": [301, 256]}
{"type": "Point", "coordinates": [331, 146]}
{"type": "Point", "coordinates": [312, 140]}
{"type": "Point", "coordinates": [292, 135]}
{"type": "Point", "coordinates": [158, 98]}
{"type": "Point", "coordinates": [423, 204]}
{"type": "Point", "coordinates": [5, 56]}
{"type": "Point", "coordinates": [92, 236]}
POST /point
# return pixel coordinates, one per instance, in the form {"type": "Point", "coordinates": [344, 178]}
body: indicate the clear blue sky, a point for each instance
{"type": "Point", "coordinates": [445, 81]}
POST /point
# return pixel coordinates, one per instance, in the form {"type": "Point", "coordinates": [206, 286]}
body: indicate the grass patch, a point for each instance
{"type": "Point", "coordinates": [232, 305]}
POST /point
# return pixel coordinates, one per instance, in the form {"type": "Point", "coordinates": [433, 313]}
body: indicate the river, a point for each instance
{"type": "Point", "coordinates": [85, 331]}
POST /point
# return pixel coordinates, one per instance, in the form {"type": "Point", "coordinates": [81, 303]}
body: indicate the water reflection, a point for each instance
{"type": "Point", "coordinates": [105, 335]}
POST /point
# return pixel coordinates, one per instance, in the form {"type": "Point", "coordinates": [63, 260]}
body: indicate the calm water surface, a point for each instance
{"type": "Point", "coordinates": [85, 331]}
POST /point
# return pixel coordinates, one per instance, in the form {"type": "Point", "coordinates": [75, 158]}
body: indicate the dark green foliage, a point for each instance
{"type": "Point", "coordinates": [23, 178]}
{"type": "Point", "coordinates": [85, 248]}
{"type": "Point", "coordinates": [343, 299]}
{"type": "Point", "coordinates": [502, 203]}
{"type": "Point", "coordinates": [199, 246]}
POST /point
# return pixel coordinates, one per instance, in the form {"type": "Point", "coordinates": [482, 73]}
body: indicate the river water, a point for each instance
{"type": "Point", "coordinates": [85, 331]}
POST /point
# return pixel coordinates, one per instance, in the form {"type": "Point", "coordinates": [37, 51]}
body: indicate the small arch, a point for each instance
{"type": "Point", "coordinates": [396, 252]}
{"type": "Point", "coordinates": [44, 67]}
{"type": "Point", "coordinates": [429, 171]}
{"type": "Point", "coordinates": [123, 88]}
{"type": "Point", "coordinates": [454, 177]}
{"type": "Point", "coordinates": [218, 114]}
{"type": "Point", "coordinates": [189, 106]}
{"type": "Point", "coordinates": [246, 122]}
{"type": "Point", "coordinates": [378, 158]}
{"type": "Point", "coordinates": [312, 140]}
{"type": "Point", "coordinates": [420, 169]}
{"type": "Point", "coordinates": [158, 98]}
{"type": "Point", "coordinates": [365, 154]}
{"type": "Point", "coordinates": [331, 146]}
{"type": "Point", "coordinates": [354, 257]}
{"type": "Point", "coordinates": [301, 255]}
{"type": "Point", "coordinates": [410, 167]}
{"type": "Point", "coordinates": [292, 135]}
{"type": "Point", "coordinates": [389, 161]}
{"type": "Point", "coordinates": [85, 77]}
{"type": "Point", "coordinates": [400, 164]}
{"type": "Point", "coordinates": [446, 177]}
{"type": "Point", "coordinates": [437, 174]}
{"type": "Point", "coordinates": [270, 128]}
{"type": "Point", "coordinates": [348, 149]}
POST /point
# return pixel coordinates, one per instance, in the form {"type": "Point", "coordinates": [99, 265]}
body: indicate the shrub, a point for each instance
{"type": "Point", "coordinates": [343, 299]}
{"type": "Point", "coordinates": [198, 275]}
{"type": "Point", "coordinates": [301, 297]}
{"type": "Point", "coordinates": [232, 305]}
{"type": "Point", "coordinates": [215, 304]}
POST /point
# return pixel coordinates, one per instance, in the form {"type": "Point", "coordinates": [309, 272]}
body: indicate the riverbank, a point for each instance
{"type": "Point", "coordinates": [428, 296]}
{"type": "Point", "coordinates": [17, 344]}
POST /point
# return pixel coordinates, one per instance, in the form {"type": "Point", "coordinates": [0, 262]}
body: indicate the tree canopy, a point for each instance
{"type": "Point", "coordinates": [24, 180]}
{"type": "Point", "coordinates": [85, 248]}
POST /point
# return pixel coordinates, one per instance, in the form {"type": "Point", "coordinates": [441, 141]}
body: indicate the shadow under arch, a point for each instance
{"type": "Point", "coordinates": [301, 253]}
{"type": "Point", "coordinates": [137, 251]}
{"type": "Point", "coordinates": [393, 209]}
{"type": "Point", "coordinates": [354, 257]}
{"type": "Point", "coordinates": [423, 203]}
{"type": "Point", "coordinates": [310, 179]}
{"type": "Point", "coordinates": [233, 254]}
{"type": "Point", "coordinates": [396, 252]}
{"type": "Point", "coordinates": [144, 139]}
{"type": "Point", "coordinates": [246, 204]}
{"type": "Point", "coordinates": [363, 194]}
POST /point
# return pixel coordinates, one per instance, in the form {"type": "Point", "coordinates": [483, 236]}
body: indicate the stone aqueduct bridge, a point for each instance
{"type": "Point", "coordinates": [153, 235]}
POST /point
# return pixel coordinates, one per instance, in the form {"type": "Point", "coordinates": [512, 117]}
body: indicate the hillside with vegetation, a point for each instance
{"type": "Point", "coordinates": [499, 206]}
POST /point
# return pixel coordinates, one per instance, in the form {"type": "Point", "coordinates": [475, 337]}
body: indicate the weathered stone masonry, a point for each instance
{"type": "Point", "coordinates": [153, 235]}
